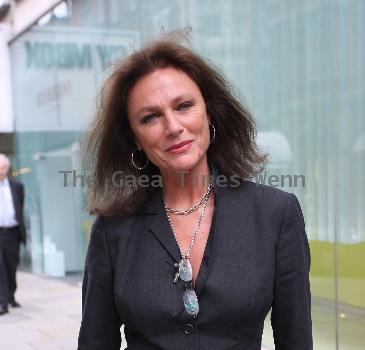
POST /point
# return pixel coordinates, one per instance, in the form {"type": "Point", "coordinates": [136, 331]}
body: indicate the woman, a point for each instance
{"type": "Point", "coordinates": [185, 252]}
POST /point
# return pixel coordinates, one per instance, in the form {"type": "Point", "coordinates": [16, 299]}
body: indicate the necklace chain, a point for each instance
{"type": "Point", "coordinates": [194, 207]}
{"type": "Point", "coordinates": [205, 202]}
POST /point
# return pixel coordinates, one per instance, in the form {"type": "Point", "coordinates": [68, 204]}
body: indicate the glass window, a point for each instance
{"type": "Point", "coordinates": [299, 67]}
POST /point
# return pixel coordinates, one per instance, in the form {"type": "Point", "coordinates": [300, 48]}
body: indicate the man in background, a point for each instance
{"type": "Point", "coordinates": [12, 233]}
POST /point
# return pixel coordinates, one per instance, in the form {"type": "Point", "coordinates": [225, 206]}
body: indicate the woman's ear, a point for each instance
{"type": "Point", "coordinates": [133, 138]}
{"type": "Point", "coordinates": [139, 147]}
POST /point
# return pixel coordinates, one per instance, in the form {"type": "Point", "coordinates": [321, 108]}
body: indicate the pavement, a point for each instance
{"type": "Point", "coordinates": [50, 315]}
{"type": "Point", "coordinates": [48, 319]}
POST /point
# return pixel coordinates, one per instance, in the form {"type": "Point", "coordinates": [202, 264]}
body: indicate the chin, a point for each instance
{"type": "Point", "coordinates": [186, 164]}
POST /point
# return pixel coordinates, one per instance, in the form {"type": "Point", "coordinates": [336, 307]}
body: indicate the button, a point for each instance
{"type": "Point", "coordinates": [188, 329]}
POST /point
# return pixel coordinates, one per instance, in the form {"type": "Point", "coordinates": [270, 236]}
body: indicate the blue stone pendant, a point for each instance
{"type": "Point", "coordinates": [185, 270]}
{"type": "Point", "coordinates": [191, 302]}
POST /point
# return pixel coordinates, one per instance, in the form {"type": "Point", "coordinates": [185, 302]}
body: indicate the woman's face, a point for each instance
{"type": "Point", "coordinates": [167, 114]}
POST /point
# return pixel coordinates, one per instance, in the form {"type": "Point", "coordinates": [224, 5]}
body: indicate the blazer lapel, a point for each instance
{"type": "Point", "coordinates": [159, 225]}
{"type": "Point", "coordinates": [210, 246]}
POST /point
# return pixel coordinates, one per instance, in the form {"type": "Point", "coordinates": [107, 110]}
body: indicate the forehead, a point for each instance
{"type": "Point", "coordinates": [163, 82]}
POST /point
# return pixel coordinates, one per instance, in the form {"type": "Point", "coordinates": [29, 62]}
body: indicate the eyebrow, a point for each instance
{"type": "Point", "coordinates": [174, 101]}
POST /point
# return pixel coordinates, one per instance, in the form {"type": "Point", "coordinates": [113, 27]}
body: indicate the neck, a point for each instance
{"type": "Point", "coordinates": [185, 188]}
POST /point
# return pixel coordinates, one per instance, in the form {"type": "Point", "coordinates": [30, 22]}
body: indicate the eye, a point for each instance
{"type": "Point", "coordinates": [184, 106]}
{"type": "Point", "coordinates": [148, 118]}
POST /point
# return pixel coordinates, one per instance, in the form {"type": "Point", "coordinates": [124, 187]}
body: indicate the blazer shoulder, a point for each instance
{"type": "Point", "coordinates": [115, 231]}
{"type": "Point", "coordinates": [266, 193]}
{"type": "Point", "coordinates": [274, 200]}
{"type": "Point", "coordinates": [114, 225]}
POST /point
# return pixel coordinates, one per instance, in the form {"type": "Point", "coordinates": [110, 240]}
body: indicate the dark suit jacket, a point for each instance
{"type": "Point", "coordinates": [257, 257]}
{"type": "Point", "coordinates": [17, 192]}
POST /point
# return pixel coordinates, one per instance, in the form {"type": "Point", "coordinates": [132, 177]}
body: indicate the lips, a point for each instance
{"type": "Point", "coordinates": [178, 145]}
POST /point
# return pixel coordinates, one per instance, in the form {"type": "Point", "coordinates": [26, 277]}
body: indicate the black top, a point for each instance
{"type": "Point", "coordinates": [256, 257]}
{"type": "Point", "coordinates": [17, 193]}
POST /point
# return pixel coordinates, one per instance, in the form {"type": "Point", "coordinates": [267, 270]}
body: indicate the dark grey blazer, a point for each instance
{"type": "Point", "coordinates": [257, 257]}
{"type": "Point", "coordinates": [17, 192]}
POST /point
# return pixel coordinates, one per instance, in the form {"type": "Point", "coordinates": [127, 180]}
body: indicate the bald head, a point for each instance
{"type": "Point", "coordinates": [4, 166]}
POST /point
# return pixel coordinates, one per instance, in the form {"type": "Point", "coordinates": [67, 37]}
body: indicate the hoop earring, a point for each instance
{"type": "Point", "coordinates": [134, 164]}
{"type": "Point", "coordinates": [210, 124]}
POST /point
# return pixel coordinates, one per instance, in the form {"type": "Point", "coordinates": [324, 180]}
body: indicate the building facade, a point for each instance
{"type": "Point", "coordinates": [297, 65]}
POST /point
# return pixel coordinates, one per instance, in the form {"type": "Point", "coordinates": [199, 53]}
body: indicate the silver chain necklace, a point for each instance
{"type": "Point", "coordinates": [195, 231]}
{"type": "Point", "coordinates": [185, 270]}
{"type": "Point", "coordinates": [194, 207]}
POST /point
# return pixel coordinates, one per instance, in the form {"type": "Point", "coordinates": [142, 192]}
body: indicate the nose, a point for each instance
{"type": "Point", "coordinates": [172, 125]}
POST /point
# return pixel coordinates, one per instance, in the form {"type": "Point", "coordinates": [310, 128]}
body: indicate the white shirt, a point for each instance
{"type": "Point", "coordinates": [7, 210]}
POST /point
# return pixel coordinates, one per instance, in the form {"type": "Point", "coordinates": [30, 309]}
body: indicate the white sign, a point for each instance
{"type": "Point", "coordinates": [57, 73]}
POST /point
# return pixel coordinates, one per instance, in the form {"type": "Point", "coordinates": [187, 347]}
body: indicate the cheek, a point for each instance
{"type": "Point", "coordinates": [145, 136]}
{"type": "Point", "coordinates": [150, 141]}
{"type": "Point", "coordinates": [205, 135]}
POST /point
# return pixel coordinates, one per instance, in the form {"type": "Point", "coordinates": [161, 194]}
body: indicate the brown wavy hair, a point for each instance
{"type": "Point", "coordinates": [109, 143]}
